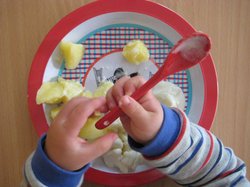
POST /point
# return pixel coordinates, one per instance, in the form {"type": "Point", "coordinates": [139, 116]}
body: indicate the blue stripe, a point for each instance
{"type": "Point", "coordinates": [197, 148]}
{"type": "Point", "coordinates": [224, 168]}
{"type": "Point", "coordinates": [237, 181]}
{"type": "Point", "coordinates": [240, 168]}
{"type": "Point", "coordinates": [229, 161]}
{"type": "Point", "coordinates": [230, 152]}
{"type": "Point", "coordinates": [216, 162]}
{"type": "Point", "coordinates": [161, 167]}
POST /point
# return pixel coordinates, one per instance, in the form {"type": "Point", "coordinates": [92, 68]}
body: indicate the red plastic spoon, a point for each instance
{"type": "Point", "coordinates": [186, 53]}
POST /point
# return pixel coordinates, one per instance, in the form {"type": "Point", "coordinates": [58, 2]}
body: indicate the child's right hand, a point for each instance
{"type": "Point", "coordinates": [63, 145]}
{"type": "Point", "coordinates": [143, 119]}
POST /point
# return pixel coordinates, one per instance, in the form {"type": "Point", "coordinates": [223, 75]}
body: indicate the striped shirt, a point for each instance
{"type": "Point", "coordinates": [183, 151]}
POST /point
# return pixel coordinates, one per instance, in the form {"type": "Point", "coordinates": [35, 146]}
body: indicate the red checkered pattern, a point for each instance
{"type": "Point", "coordinates": [114, 38]}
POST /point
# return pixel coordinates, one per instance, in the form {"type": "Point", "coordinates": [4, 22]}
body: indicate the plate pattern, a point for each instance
{"type": "Point", "coordinates": [113, 37]}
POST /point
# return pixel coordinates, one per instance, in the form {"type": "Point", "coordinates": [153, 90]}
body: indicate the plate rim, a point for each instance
{"type": "Point", "coordinates": [88, 11]}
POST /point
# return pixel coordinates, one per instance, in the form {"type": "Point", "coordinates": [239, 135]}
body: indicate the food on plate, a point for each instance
{"type": "Point", "coordinates": [121, 156]}
{"type": "Point", "coordinates": [125, 161]}
{"type": "Point", "coordinates": [89, 131]}
{"type": "Point", "coordinates": [169, 94]}
{"type": "Point", "coordinates": [54, 112]}
{"type": "Point", "coordinates": [50, 93]}
{"type": "Point", "coordinates": [135, 52]}
{"type": "Point", "coordinates": [72, 54]}
{"type": "Point", "coordinates": [102, 89]}
{"type": "Point", "coordinates": [87, 93]}
{"type": "Point", "coordinates": [59, 91]}
{"type": "Point", "coordinates": [71, 88]}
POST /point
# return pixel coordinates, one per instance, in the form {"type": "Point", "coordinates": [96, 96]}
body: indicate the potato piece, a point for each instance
{"type": "Point", "coordinates": [50, 93]}
{"type": "Point", "coordinates": [71, 89]}
{"type": "Point", "coordinates": [60, 91]}
{"type": "Point", "coordinates": [89, 131]}
{"type": "Point", "coordinates": [103, 89]}
{"type": "Point", "coordinates": [54, 112]}
{"type": "Point", "coordinates": [135, 52]}
{"type": "Point", "coordinates": [72, 54]}
{"type": "Point", "coordinates": [87, 93]}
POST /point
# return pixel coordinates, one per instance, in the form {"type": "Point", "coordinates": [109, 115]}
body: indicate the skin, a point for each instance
{"type": "Point", "coordinates": [142, 121]}
{"type": "Point", "coordinates": [64, 147]}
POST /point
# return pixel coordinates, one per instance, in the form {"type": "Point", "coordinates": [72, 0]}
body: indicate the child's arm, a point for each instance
{"type": "Point", "coordinates": [62, 157]}
{"type": "Point", "coordinates": [182, 150]}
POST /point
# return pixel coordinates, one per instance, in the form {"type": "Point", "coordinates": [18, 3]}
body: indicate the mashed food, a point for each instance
{"type": "Point", "coordinates": [136, 52]}
{"type": "Point", "coordinates": [169, 94]}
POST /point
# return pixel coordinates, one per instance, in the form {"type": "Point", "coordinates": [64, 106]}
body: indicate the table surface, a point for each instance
{"type": "Point", "coordinates": [24, 24]}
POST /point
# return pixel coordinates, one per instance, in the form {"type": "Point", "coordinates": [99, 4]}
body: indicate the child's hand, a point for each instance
{"type": "Point", "coordinates": [64, 147]}
{"type": "Point", "coordinates": [142, 120]}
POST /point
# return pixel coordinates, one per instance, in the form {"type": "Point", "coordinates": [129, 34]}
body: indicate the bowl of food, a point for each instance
{"type": "Point", "coordinates": [89, 49]}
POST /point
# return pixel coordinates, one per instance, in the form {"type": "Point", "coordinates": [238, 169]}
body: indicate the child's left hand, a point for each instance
{"type": "Point", "coordinates": [64, 147]}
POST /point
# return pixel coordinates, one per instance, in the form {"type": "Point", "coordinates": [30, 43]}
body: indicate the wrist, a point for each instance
{"type": "Point", "coordinates": [51, 174]}
{"type": "Point", "coordinates": [166, 136]}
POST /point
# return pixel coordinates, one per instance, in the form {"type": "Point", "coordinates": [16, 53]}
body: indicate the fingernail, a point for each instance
{"type": "Point", "coordinates": [124, 101]}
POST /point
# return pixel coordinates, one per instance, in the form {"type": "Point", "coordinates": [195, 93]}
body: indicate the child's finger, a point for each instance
{"type": "Point", "coordinates": [132, 109]}
{"type": "Point", "coordinates": [111, 102]}
{"type": "Point", "coordinates": [100, 146]}
{"type": "Point", "coordinates": [104, 108]}
{"type": "Point", "coordinates": [79, 115]}
{"type": "Point", "coordinates": [117, 90]}
{"type": "Point", "coordinates": [68, 107]}
{"type": "Point", "coordinates": [132, 84]}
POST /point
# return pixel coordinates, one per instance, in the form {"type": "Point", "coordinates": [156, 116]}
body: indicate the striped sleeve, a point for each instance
{"type": "Point", "coordinates": [196, 157]}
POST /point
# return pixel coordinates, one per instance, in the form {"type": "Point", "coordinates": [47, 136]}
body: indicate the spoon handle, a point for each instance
{"type": "Point", "coordinates": [115, 113]}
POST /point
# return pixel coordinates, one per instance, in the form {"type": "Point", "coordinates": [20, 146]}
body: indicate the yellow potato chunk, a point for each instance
{"type": "Point", "coordinates": [55, 111]}
{"type": "Point", "coordinates": [89, 131]}
{"type": "Point", "coordinates": [87, 93]}
{"type": "Point", "coordinates": [135, 52]}
{"type": "Point", "coordinates": [103, 89]}
{"type": "Point", "coordinates": [50, 93]}
{"type": "Point", "coordinates": [57, 92]}
{"type": "Point", "coordinates": [71, 89]}
{"type": "Point", "coordinates": [72, 54]}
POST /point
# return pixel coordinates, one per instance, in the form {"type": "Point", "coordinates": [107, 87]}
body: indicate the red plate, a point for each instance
{"type": "Point", "coordinates": [114, 23]}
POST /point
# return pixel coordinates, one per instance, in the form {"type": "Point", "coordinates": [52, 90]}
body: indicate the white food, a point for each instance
{"type": "Point", "coordinates": [121, 156]}
{"type": "Point", "coordinates": [169, 94]}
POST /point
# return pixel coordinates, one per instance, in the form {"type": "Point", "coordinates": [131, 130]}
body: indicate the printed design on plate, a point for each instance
{"type": "Point", "coordinates": [113, 37]}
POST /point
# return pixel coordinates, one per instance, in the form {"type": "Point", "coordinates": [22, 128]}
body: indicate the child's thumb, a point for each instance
{"type": "Point", "coordinates": [132, 108]}
{"type": "Point", "coordinates": [102, 144]}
